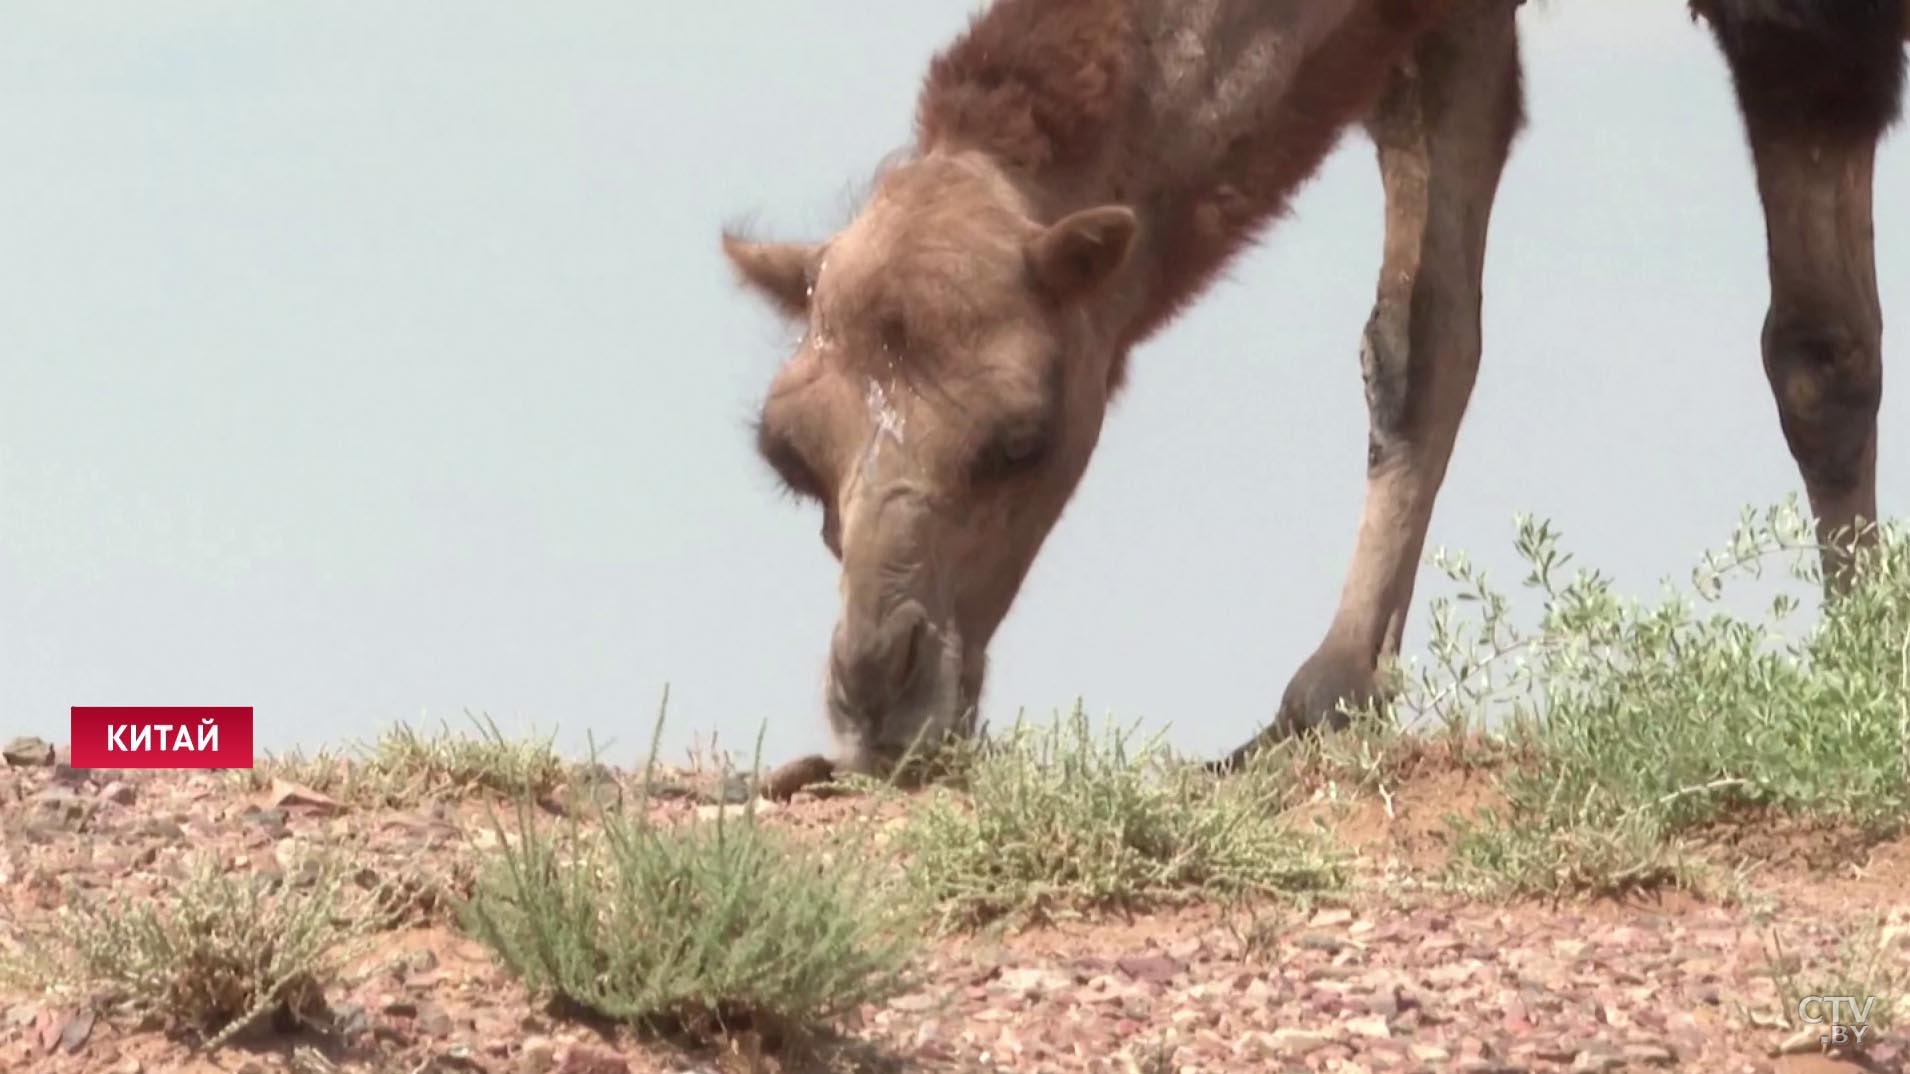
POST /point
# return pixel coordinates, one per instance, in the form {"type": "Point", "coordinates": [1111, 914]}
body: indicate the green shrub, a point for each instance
{"type": "Point", "coordinates": [1064, 821]}
{"type": "Point", "coordinates": [1866, 967]}
{"type": "Point", "coordinates": [1638, 723]}
{"type": "Point", "coordinates": [697, 928]}
{"type": "Point", "coordinates": [213, 957]}
{"type": "Point", "coordinates": [404, 767]}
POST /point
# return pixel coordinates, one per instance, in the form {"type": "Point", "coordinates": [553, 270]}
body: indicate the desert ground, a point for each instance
{"type": "Point", "coordinates": [1389, 968]}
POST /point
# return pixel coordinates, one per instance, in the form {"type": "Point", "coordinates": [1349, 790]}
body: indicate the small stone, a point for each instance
{"type": "Point", "coordinates": [47, 1027]}
{"type": "Point", "coordinates": [1430, 1053]}
{"type": "Point", "coordinates": [287, 795]}
{"type": "Point", "coordinates": [129, 1065]}
{"type": "Point", "coordinates": [351, 1020]}
{"type": "Point", "coordinates": [586, 1060]}
{"type": "Point", "coordinates": [1186, 949]}
{"type": "Point", "coordinates": [396, 1033]}
{"type": "Point", "coordinates": [28, 752]}
{"type": "Point", "coordinates": [58, 809]}
{"type": "Point", "coordinates": [459, 1057]}
{"type": "Point", "coordinates": [1373, 1027]}
{"type": "Point", "coordinates": [1029, 981]}
{"type": "Point", "coordinates": [730, 812]}
{"type": "Point", "coordinates": [272, 820]}
{"type": "Point", "coordinates": [1596, 1060]}
{"type": "Point", "coordinates": [433, 1020]}
{"type": "Point", "coordinates": [162, 828]}
{"type": "Point", "coordinates": [118, 793]}
{"type": "Point", "coordinates": [73, 1037]}
{"type": "Point", "coordinates": [1150, 967]}
{"type": "Point", "coordinates": [490, 1031]}
{"type": "Point", "coordinates": [1320, 941]}
{"type": "Point", "coordinates": [1550, 1051]}
{"type": "Point", "coordinates": [1297, 1042]}
{"type": "Point", "coordinates": [1647, 1054]}
{"type": "Point", "coordinates": [537, 1055]}
{"type": "Point", "coordinates": [1384, 1003]}
{"type": "Point", "coordinates": [1327, 919]}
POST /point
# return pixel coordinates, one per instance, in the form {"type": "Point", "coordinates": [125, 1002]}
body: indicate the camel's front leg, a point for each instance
{"type": "Point", "coordinates": [1443, 130]}
{"type": "Point", "coordinates": [1817, 88]}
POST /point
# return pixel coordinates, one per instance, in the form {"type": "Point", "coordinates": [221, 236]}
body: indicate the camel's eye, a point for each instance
{"type": "Point", "coordinates": [791, 468]}
{"type": "Point", "coordinates": [1011, 452]}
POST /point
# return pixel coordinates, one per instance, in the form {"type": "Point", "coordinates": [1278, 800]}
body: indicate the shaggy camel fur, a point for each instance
{"type": "Point", "coordinates": [1083, 168]}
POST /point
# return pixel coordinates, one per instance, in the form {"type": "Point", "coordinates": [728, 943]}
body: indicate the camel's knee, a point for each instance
{"type": "Point", "coordinates": [1827, 376]}
{"type": "Point", "coordinates": [1418, 376]}
{"type": "Point", "coordinates": [1443, 130]}
{"type": "Point", "coordinates": [1385, 366]}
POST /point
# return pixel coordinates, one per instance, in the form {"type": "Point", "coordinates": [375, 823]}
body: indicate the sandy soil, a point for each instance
{"type": "Point", "coordinates": [1394, 975]}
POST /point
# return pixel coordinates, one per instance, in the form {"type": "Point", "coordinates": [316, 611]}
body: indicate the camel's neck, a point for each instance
{"type": "Point", "coordinates": [1203, 115]}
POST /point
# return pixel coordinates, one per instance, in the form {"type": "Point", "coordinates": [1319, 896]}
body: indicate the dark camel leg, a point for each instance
{"type": "Point", "coordinates": [1817, 85]}
{"type": "Point", "coordinates": [1443, 129]}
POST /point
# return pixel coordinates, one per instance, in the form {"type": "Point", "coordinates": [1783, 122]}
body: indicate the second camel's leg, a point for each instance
{"type": "Point", "coordinates": [1817, 88]}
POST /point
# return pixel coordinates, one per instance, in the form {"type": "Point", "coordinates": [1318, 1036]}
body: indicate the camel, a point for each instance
{"type": "Point", "coordinates": [1082, 169]}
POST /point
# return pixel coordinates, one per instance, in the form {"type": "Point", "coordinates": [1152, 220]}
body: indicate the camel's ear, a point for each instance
{"type": "Point", "coordinates": [1081, 250]}
{"type": "Point", "coordinates": [780, 271]}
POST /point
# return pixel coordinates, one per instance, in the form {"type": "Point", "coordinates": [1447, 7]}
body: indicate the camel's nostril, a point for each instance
{"type": "Point", "coordinates": [874, 669]}
{"type": "Point", "coordinates": [911, 655]}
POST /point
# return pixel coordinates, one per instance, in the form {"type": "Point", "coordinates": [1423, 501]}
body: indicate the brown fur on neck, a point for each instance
{"type": "Point", "coordinates": [1036, 84]}
{"type": "Point", "coordinates": [1252, 182]}
{"type": "Point", "coordinates": [1057, 93]}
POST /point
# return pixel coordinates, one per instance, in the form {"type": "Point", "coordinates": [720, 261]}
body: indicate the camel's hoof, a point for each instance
{"type": "Point", "coordinates": [1313, 696]}
{"type": "Point", "coordinates": [1311, 703]}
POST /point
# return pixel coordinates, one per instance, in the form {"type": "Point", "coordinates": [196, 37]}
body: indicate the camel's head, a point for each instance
{"type": "Point", "coordinates": [940, 409]}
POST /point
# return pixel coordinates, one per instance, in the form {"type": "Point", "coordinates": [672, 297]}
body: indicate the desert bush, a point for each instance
{"type": "Point", "coordinates": [1066, 820]}
{"type": "Point", "coordinates": [694, 928]}
{"type": "Point", "coordinates": [1867, 966]}
{"type": "Point", "coordinates": [1637, 723]}
{"type": "Point", "coordinates": [213, 957]}
{"type": "Point", "coordinates": [404, 766]}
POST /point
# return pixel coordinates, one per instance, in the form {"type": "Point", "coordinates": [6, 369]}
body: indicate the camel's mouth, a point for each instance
{"type": "Point", "coordinates": [934, 699]}
{"type": "Point", "coordinates": [906, 763]}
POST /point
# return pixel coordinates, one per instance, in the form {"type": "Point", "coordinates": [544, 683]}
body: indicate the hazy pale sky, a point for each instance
{"type": "Point", "coordinates": [371, 365]}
